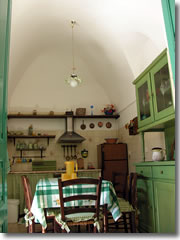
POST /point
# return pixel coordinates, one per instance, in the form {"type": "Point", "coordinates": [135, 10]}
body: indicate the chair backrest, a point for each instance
{"type": "Point", "coordinates": [89, 196]}
{"type": "Point", "coordinates": [27, 191]}
{"type": "Point", "coordinates": [132, 188]}
{"type": "Point", "coordinates": [119, 182]}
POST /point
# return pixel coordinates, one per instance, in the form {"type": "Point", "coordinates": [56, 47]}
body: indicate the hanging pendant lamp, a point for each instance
{"type": "Point", "coordinates": [73, 80]}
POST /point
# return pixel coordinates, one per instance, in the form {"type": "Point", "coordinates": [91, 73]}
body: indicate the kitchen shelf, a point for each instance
{"type": "Point", "coordinates": [22, 150]}
{"type": "Point", "coordinates": [98, 116]}
{"type": "Point", "coordinates": [116, 116]}
{"type": "Point", "coordinates": [29, 136]}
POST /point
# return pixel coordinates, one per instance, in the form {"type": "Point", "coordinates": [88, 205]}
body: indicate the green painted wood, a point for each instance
{"type": "Point", "coordinates": [142, 145]}
{"type": "Point", "coordinates": [145, 171]}
{"type": "Point", "coordinates": [164, 199]}
{"type": "Point", "coordinates": [5, 15]}
{"type": "Point", "coordinates": [145, 205]}
{"type": "Point", "coordinates": [43, 165]}
{"type": "Point", "coordinates": [161, 124]}
{"type": "Point", "coordinates": [169, 140]}
{"type": "Point", "coordinates": [147, 76]}
{"type": "Point", "coordinates": [155, 163]}
{"type": "Point", "coordinates": [149, 67]}
{"type": "Point", "coordinates": [144, 80]}
{"type": "Point", "coordinates": [163, 172]}
{"type": "Point", "coordinates": [158, 191]}
{"type": "Point", "coordinates": [168, 7]}
{"type": "Point", "coordinates": [169, 110]}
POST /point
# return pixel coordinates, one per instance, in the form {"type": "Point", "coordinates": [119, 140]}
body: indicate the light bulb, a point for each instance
{"type": "Point", "coordinates": [73, 82]}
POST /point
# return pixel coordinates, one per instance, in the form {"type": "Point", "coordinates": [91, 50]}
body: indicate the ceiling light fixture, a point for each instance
{"type": "Point", "coordinates": [73, 80]}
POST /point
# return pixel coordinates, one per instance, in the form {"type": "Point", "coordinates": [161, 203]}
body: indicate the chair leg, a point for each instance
{"type": "Point", "coordinates": [125, 223]}
{"type": "Point", "coordinates": [95, 229]}
{"type": "Point", "coordinates": [132, 222]}
{"type": "Point", "coordinates": [105, 219]}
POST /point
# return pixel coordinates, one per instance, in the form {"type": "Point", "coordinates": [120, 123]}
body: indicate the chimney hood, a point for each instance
{"type": "Point", "coordinates": [70, 136]}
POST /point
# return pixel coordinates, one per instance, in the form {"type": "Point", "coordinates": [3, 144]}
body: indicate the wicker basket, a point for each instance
{"type": "Point", "coordinates": [81, 111]}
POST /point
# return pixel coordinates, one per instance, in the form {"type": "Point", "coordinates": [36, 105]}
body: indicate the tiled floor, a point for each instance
{"type": "Point", "coordinates": [20, 228]}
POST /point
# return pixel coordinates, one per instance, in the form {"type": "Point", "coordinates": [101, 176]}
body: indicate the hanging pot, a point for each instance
{"type": "Point", "coordinates": [83, 126]}
{"type": "Point", "coordinates": [91, 125]}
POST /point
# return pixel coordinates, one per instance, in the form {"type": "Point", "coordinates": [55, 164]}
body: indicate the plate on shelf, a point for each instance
{"type": "Point", "coordinates": [108, 125]}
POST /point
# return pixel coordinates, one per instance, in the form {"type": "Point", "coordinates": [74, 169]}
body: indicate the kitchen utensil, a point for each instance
{"type": "Point", "coordinates": [71, 152]}
{"type": "Point", "coordinates": [108, 125]}
{"type": "Point", "coordinates": [64, 151]}
{"type": "Point", "coordinates": [83, 126]}
{"type": "Point", "coordinates": [157, 154]}
{"type": "Point", "coordinates": [67, 157]}
{"type": "Point", "coordinates": [100, 124]}
{"type": "Point", "coordinates": [91, 125]}
{"type": "Point", "coordinates": [84, 153]}
{"type": "Point", "coordinates": [75, 157]}
{"type": "Point", "coordinates": [111, 140]}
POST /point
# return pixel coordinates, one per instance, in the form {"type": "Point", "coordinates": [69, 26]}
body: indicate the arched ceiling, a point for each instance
{"type": "Point", "coordinates": [114, 41]}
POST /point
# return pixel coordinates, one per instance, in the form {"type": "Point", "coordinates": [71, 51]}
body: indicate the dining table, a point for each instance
{"type": "Point", "coordinates": [47, 197]}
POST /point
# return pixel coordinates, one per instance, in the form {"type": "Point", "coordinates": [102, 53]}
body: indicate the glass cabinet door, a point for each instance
{"type": "Point", "coordinates": [161, 85]}
{"type": "Point", "coordinates": [144, 101]}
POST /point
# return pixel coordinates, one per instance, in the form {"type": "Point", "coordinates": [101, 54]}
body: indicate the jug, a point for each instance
{"type": "Point", "coordinates": [70, 174]}
{"type": "Point", "coordinates": [157, 154]}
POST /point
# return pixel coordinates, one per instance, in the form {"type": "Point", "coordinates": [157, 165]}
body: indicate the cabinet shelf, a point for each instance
{"type": "Point", "coordinates": [29, 136]}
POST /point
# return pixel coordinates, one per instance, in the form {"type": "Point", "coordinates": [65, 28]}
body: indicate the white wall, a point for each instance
{"type": "Point", "coordinates": [114, 42]}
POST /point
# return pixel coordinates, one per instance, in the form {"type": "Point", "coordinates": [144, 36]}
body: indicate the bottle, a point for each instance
{"type": "Point", "coordinates": [30, 130]}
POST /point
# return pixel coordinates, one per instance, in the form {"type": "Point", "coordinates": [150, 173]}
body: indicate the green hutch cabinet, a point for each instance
{"type": "Point", "coordinates": [156, 180]}
{"type": "Point", "coordinates": [154, 93]}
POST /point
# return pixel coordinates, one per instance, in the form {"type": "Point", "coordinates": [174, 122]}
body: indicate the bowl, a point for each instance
{"type": "Point", "coordinates": [111, 140]}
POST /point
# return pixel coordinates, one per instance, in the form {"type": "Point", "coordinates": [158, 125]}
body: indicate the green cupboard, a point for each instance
{"type": "Point", "coordinates": [156, 196]}
{"type": "Point", "coordinates": [154, 93]}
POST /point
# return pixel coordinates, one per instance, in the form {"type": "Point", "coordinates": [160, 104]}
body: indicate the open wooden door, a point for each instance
{"type": "Point", "coordinates": [5, 13]}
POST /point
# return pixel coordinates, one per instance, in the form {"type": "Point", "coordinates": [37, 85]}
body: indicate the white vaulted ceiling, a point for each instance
{"type": "Point", "coordinates": [114, 41]}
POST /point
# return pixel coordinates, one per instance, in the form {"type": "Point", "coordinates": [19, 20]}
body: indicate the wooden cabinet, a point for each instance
{"type": "Point", "coordinates": [156, 196]}
{"type": "Point", "coordinates": [112, 159]}
{"type": "Point", "coordinates": [154, 93]}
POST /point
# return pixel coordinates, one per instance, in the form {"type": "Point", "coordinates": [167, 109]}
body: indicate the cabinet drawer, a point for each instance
{"type": "Point", "coordinates": [165, 172]}
{"type": "Point", "coordinates": [144, 171]}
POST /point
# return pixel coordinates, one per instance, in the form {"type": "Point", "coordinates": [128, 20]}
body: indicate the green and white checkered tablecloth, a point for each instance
{"type": "Point", "coordinates": [47, 196]}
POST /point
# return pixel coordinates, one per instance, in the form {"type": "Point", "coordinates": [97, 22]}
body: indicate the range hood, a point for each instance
{"type": "Point", "coordinates": [70, 136]}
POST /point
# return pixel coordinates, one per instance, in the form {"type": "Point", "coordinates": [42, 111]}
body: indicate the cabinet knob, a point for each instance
{"type": "Point", "coordinates": [161, 172]}
{"type": "Point", "coordinates": [141, 171]}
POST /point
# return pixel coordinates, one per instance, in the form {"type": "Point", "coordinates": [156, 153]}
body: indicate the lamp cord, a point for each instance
{"type": "Point", "coordinates": [73, 58]}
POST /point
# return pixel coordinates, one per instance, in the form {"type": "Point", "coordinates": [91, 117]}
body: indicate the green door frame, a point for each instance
{"type": "Point", "coordinates": [168, 7]}
{"type": "Point", "coordinates": [5, 22]}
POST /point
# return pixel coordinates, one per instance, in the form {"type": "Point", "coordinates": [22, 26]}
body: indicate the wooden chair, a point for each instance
{"type": "Point", "coordinates": [90, 213]}
{"type": "Point", "coordinates": [28, 201]}
{"type": "Point", "coordinates": [128, 207]}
